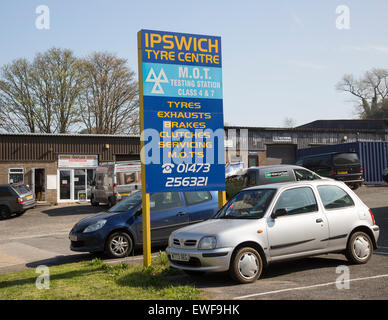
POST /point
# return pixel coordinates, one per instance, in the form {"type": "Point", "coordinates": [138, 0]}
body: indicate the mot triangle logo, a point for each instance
{"type": "Point", "coordinates": [161, 78]}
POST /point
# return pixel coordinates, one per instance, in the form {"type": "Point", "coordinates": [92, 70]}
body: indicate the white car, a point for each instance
{"type": "Point", "coordinates": [277, 222]}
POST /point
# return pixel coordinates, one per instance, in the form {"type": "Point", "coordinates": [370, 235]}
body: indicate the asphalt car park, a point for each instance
{"type": "Point", "coordinates": [41, 236]}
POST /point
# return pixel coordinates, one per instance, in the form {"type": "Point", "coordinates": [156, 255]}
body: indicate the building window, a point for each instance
{"type": "Point", "coordinates": [16, 175]}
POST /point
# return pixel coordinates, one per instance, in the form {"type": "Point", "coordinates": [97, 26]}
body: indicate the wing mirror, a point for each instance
{"type": "Point", "coordinates": [138, 212]}
{"type": "Point", "coordinates": [279, 213]}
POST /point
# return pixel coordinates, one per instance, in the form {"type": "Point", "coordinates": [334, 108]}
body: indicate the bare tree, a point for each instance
{"type": "Point", "coordinates": [289, 122]}
{"type": "Point", "coordinates": [110, 99]}
{"type": "Point", "coordinates": [42, 96]}
{"type": "Point", "coordinates": [370, 91]}
{"type": "Point", "coordinates": [17, 102]}
{"type": "Point", "coordinates": [57, 92]}
{"type": "Point", "coordinates": [57, 83]}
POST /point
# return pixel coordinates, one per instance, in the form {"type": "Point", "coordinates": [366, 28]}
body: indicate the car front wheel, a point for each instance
{"type": "Point", "coordinates": [20, 213]}
{"type": "Point", "coordinates": [111, 202]}
{"type": "Point", "coordinates": [246, 265]}
{"type": "Point", "coordinates": [359, 249]}
{"type": "Point", "coordinates": [119, 245]}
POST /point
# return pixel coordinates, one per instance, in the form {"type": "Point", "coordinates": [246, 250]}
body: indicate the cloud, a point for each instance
{"type": "Point", "coordinates": [298, 21]}
{"type": "Point", "coordinates": [368, 48]}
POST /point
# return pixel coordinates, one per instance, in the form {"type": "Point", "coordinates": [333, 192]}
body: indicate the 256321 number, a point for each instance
{"type": "Point", "coordinates": [186, 182]}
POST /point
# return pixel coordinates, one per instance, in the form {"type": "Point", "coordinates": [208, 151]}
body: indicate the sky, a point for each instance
{"type": "Point", "coordinates": [281, 59]}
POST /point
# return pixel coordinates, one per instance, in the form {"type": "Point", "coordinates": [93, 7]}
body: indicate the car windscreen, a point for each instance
{"type": "Point", "coordinates": [21, 189]}
{"type": "Point", "coordinates": [127, 204]}
{"type": "Point", "coordinates": [346, 158]}
{"type": "Point", "coordinates": [249, 204]}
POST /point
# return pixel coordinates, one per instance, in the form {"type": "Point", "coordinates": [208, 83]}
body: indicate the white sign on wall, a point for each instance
{"type": "Point", "coordinates": [77, 161]}
{"type": "Point", "coordinates": [282, 139]}
{"type": "Point", "coordinates": [51, 181]}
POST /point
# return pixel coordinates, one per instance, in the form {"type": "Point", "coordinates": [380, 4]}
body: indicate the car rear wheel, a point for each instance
{"type": "Point", "coordinates": [119, 245]}
{"type": "Point", "coordinates": [354, 186]}
{"type": "Point", "coordinates": [21, 213]}
{"type": "Point", "coordinates": [4, 212]}
{"type": "Point", "coordinates": [359, 249]}
{"type": "Point", "coordinates": [246, 265]}
{"type": "Point", "coordinates": [93, 202]}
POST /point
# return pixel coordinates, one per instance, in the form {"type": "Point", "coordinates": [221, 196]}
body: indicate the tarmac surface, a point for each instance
{"type": "Point", "coordinates": [40, 237]}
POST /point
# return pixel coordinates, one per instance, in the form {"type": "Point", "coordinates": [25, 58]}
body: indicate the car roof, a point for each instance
{"type": "Point", "coordinates": [277, 166]}
{"type": "Point", "coordinates": [283, 185]}
{"type": "Point", "coordinates": [326, 154]}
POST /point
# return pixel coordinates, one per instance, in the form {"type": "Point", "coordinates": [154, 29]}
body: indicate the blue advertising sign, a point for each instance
{"type": "Point", "coordinates": [183, 111]}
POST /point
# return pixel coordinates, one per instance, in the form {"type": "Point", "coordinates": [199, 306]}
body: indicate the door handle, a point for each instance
{"type": "Point", "coordinates": [319, 220]}
{"type": "Point", "coordinates": [181, 214]}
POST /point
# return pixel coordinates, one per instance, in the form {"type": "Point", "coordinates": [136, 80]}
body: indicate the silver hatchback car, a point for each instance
{"type": "Point", "coordinates": [277, 222]}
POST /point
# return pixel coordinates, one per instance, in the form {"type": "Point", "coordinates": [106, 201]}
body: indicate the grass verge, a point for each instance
{"type": "Point", "coordinates": [96, 280]}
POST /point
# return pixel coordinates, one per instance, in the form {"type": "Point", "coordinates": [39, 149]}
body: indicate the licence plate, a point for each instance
{"type": "Point", "coordinates": [73, 237]}
{"type": "Point", "coordinates": [180, 257]}
{"type": "Point", "coordinates": [29, 197]}
{"type": "Point", "coordinates": [342, 172]}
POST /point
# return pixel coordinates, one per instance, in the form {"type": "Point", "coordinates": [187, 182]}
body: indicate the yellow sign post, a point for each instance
{"type": "Point", "coordinates": [221, 199]}
{"type": "Point", "coordinates": [145, 196]}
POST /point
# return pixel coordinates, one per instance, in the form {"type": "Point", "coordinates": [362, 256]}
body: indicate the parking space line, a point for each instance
{"type": "Point", "coordinates": [307, 287]}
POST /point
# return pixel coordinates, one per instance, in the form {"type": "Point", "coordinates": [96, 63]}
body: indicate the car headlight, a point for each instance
{"type": "Point", "coordinates": [207, 243]}
{"type": "Point", "coordinates": [170, 241]}
{"type": "Point", "coordinates": [95, 226]}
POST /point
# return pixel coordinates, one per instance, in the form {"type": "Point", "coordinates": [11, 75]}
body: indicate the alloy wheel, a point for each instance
{"type": "Point", "coordinates": [119, 245]}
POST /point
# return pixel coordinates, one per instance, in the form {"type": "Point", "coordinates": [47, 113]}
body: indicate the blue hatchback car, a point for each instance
{"type": "Point", "coordinates": [118, 231]}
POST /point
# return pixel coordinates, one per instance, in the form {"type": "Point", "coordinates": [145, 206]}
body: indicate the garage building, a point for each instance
{"type": "Point", "coordinates": [60, 167]}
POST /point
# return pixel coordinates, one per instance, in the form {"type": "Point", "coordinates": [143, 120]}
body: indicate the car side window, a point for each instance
{"type": "Point", "coordinates": [334, 197]}
{"type": "Point", "coordinates": [250, 179]}
{"type": "Point", "coordinates": [99, 179]}
{"type": "Point", "coordinates": [196, 197]}
{"type": "Point", "coordinates": [296, 201]}
{"type": "Point", "coordinates": [165, 201]}
{"type": "Point", "coordinates": [301, 175]}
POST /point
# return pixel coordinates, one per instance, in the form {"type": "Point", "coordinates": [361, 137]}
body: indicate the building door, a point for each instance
{"type": "Point", "coordinates": [90, 179]}
{"type": "Point", "coordinates": [281, 154]}
{"type": "Point", "coordinates": [64, 184]}
{"type": "Point", "coordinates": [39, 183]}
{"type": "Point", "coordinates": [253, 160]}
{"type": "Point", "coordinates": [79, 184]}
